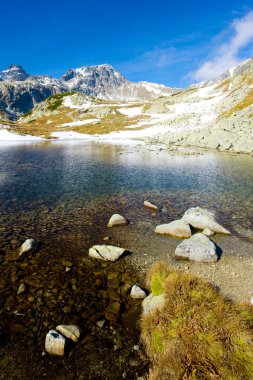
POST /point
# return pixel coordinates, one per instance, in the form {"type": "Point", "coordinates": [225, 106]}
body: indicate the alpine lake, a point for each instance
{"type": "Point", "coordinates": [62, 194]}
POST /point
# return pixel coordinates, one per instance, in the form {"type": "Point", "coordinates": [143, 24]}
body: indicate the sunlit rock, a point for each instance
{"type": "Point", "coordinates": [177, 228]}
{"type": "Point", "coordinates": [198, 248]}
{"type": "Point", "coordinates": [106, 252]}
{"type": "Point", "coordinates": [72, 332]}
{"type": "Point", "coordinates": [55, 343]}
{"type": "Point", "coordinates": [201, 219]}
{"type": "Point", "coordinates": [117, 220]}
{"type": "Point", "coordinates": [137, 293]}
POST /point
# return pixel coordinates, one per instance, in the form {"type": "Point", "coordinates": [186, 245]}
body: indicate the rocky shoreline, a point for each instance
{"type": "Point", "coordinates": [64, 286]}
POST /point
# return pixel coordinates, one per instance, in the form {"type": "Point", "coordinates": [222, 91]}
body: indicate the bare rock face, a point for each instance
{"type": "Point", "coordinates": [106, 252]}
{"type": "Point", "coordinates": [19, 91]}
{"type": "Point", "coordinates": [117, 220]}
{"type": "Point", "coordinates": [201, 219]}
{"type": "Point", "coordinates": [177, 228]}
{"type": "Point", "coordinates": [198, 248]}
{"type": "Point", "coordinates": [137, 293]}
{"type": "Point", "coordinates": [150, 206]}
{"type": "Point", "coordinates": [72, 332]}
{"type": "Point", "coordinates": [28, 246]}
{"type": "Point", "coordinates": [55, 343]}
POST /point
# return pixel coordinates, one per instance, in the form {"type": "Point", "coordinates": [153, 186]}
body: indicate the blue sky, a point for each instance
{"type": "Point", "coordinates": [170, 42]}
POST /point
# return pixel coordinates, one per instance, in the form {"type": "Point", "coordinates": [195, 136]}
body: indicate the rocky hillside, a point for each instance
{"type": "Point", "coordinates": [215, 114]}
{"type": "Point", "coordinates": [20, 92]}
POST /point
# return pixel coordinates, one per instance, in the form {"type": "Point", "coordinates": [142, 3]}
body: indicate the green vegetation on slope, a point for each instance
{"type": "Point", "coordinates": [56, 100]}
{"type": "Point", "coordinates": [197, 334]}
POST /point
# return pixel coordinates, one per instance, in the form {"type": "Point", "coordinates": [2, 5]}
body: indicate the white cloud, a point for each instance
{"type": "Point", "coordinates": [158, 58]}
{"type": "Point", "coordinates": [227, 54]}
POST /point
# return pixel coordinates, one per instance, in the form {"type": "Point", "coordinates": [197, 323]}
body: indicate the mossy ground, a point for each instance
{"type": "Point", "coordinates": [197, 334]}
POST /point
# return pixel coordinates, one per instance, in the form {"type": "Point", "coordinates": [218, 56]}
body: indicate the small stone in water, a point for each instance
{"type": "Point", "coordinates": [137, 293]}
{"type": "Point", "coordinates": [150, 205]}
{"type": "Point", "coordinates": [72, 332]}
{"type": "Point", "coordinates": [27, 247]}
{"type": "Point", "coordinates": [117, 220]}
{"type": "Point", "coordinates": [55, 343]}
{"type": "Point", "coordinates": [21, 289]}
{"type": "Point", "coordinates": [101, 323]}
{"type": "Point", "coordinates": [67, 309]}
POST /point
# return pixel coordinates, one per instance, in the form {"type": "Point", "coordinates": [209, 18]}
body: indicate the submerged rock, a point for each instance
{"type": "Point", "coordinates": [55, 343]}
{"type": "Point", "coordinates": [106, 252]}
{"type": "Point", "coordinates": [21, 289]}
{"type": "Point", "coordinates": [150, 205]}
{"type": "Point", "coordinates": [201, 219]}
{"type": "Point", "coordinates": [178, 228]}
{"type": "Point", "coordinates": [72, 332]}
{"type": "Point", "coordinates": [117, 220]}
{"type": "Point", "coordinates": [112, 311]}
{"type": "Point", "coordinates": [198, 248]}
{"type": "Point", "coordinates": [137, 292]}
{"type": "Point", "coordinates": [28, 246]}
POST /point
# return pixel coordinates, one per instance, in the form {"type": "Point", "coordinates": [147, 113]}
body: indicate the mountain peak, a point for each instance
{"type": "Point", "coordinates": [14, 66]}
{"type": "Point", "coordinates": [14, 73]}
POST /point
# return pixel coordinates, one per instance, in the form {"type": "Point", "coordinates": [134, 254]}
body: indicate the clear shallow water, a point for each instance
{"type": "Point", "coordinates": [42, 177]}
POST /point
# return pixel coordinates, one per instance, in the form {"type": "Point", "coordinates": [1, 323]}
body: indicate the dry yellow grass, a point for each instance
{"type": "Point", "coordinates": [244, 103]}
{"type": "Point", "coordinates": [46, 125]}
{"type": "Point", "coordinates": [224, 86]}
{"type": "Point", "coordinates": [197, 334]}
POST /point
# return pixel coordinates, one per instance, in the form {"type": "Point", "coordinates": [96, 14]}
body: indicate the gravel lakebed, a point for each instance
{"type": "Point", "coordinates": [64, 286]}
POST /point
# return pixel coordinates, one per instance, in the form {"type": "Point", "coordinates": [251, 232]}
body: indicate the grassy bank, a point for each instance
{"type": "Point", "coordinates": [197, 334]}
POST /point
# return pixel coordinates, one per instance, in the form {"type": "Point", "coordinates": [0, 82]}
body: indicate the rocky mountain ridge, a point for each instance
{"type": "Point", "coordinates": [20, 92]}
{"type": "Point", "coordinates": [217, 115]}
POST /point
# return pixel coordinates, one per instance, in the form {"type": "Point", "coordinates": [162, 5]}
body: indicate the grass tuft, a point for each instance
{"type": "Point", "coordinates": [198, 334]}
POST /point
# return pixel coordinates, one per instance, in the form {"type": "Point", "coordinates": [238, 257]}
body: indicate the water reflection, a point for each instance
{"type": "Point", "coordinates": [75, 173]}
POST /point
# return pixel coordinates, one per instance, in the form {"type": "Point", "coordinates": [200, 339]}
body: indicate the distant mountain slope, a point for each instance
{"type": "Point", "coordinates": [20, 92]}
{"type": "Point", "coordinates": [216, 114]}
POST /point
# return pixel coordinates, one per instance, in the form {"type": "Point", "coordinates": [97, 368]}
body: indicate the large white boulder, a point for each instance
{"type": "Point", "coordinates": [106, 252]}
{"type": "Point", "coordinates": [152, 302]}
{"type": "Point", "coordinates": [55, 343]}
{"type": "Point", "coordinates": [72, 332]}
{"type": "Point", "coordinates": [117, 220]}
{"type": "Point", "coordinates": [137, 293]}
{"type": "Point", "coordinates": [198, 248]}
{"type": "Point", "coordinates": [28, 246]}
{"type": "Point", "coordinates": [178, 228]}
{"type": "Point", "coordinates": [201, 219]}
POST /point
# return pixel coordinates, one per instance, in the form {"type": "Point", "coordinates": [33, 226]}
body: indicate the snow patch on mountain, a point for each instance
{"type": "Point", "coordinates": [133, 111]}
{"type": "Point", "coordinates": [80, 122]}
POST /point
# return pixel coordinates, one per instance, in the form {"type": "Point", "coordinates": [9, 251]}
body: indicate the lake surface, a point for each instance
{"type": "Point", "coordinates": [45, 185]}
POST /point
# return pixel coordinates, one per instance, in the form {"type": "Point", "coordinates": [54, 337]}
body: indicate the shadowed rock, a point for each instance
{"type": "Point", "coordinates": [198, 248]}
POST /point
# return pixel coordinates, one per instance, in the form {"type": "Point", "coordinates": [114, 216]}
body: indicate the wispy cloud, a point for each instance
{"type": "Point", "coordinates": [161, 57]}
{"type": "Point", "coordinates": [158, 58]}
{"type": "Point", "coordinates": [228, 52]}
